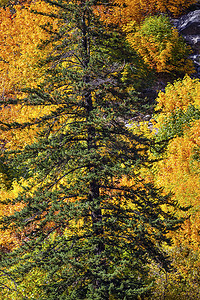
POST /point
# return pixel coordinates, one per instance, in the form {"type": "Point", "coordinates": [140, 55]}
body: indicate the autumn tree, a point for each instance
{"type": "Point", "coordinates": [82, 173]}
{"type": "Point", "coordinates": [160, 46]}
{"type": "Point", "coordinates": [125, 11]}
{"type": "Point", "coordinates": [20, 36]}
{"type": "Point", "coordinates": [178, 121]}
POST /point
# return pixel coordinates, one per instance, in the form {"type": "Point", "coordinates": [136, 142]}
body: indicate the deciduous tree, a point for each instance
{"type": "Point", "coordinates": [179, 122]}
{"type": "Point", "coordinates": [125, 11]}
{"type": "Point", "coordinates": [160, 46]}
{"type": "Point", "coordinates": [20, 36]}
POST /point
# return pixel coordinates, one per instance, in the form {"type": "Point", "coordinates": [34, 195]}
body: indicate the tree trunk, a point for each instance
{"type": "Point", "coordinates": [96, 212]}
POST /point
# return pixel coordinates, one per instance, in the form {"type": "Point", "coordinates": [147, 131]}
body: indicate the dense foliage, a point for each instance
{"type": "Point", "coordinates": [92, 194]}
{"type": "Point", "coordinates": [125, 11]}
{"type": "Point", "coordinates": [160, 46]}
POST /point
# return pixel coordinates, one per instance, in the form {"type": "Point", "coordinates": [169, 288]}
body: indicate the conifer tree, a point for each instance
{"type": "Point", "coordinates": [90, 223]}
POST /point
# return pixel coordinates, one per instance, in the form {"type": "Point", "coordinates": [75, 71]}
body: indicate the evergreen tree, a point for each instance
{"type": "Point", "coordinates": [89, 221]}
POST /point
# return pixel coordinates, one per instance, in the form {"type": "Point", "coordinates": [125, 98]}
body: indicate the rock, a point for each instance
{"type": "Point", "coordinates": [189, 27]}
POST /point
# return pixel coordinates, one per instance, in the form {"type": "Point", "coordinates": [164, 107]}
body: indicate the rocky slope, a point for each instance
{"type": "Point", "coordinates": [189, 27]}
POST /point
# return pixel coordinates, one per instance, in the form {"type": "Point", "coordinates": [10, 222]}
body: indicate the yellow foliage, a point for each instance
{"type": "Point", "coordinates": [20, 34]}
{"type": "Point", "coordinates": [9, 239]}
{"type": "Point", "coordinates": [179, 171]}
{"type": "Point", "coordinates": [178, 96]}
{"type": "Point", "coordinates": [160, 46]}
{"type": "Point", "coordinates": [136, 10]}
{"type": "Point", "coordinates": [20, 137]}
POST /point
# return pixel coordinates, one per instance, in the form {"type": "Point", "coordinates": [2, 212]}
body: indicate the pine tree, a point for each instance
{"type": "Point", "coordinates": [90, 223]}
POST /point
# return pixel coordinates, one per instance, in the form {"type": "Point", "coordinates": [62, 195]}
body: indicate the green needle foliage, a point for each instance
{"type": "Point", "coordinates": [90, 223]}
